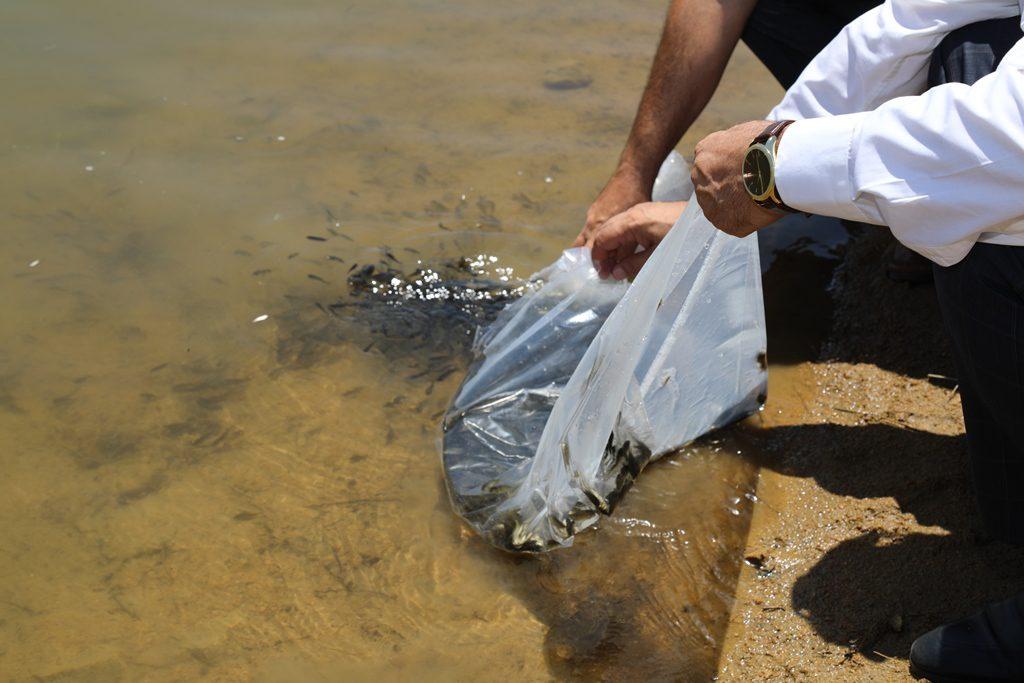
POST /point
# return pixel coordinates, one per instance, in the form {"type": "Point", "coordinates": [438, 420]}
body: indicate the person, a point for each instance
{"type": "Point", "coordinates": [698, 38]}
{"type": "Point", "coordinates": [912, 117]}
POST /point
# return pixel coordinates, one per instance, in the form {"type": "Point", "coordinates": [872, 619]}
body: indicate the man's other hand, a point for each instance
{"type": "Point", "coordinates": [644, 225]}
{"type": "Point", "coordinates": [623, 191]}
{"type": "Point", "coordinates": [717, 176]}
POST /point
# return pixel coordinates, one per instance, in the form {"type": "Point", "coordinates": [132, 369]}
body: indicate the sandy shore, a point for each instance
{"type": "Point", "coordinates": [865, 534]}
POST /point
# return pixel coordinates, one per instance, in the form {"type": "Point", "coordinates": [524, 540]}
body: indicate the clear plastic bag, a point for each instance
{"type": "Point", "coordinates": [582, 382]}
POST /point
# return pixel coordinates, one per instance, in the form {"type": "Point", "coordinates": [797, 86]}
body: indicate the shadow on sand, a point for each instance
{"type": "Point", "coordinates": [852, 594]}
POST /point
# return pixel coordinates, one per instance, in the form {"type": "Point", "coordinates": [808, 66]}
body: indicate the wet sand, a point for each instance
{"type": "Point", "coordinates": [866, 535]}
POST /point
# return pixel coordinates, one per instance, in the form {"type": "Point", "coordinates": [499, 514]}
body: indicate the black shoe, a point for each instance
{"type": "Point", "coordinates": [988, 646]}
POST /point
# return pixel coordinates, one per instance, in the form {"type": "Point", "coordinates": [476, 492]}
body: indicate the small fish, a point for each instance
{"type": "Point", "coordinates": [345, 237]}
{"type": "Point", "coordinates": [261, 271]}
{"type": "Point", "coordinates": [316, 238]}
{"type": "Point", "coordinates": [293, 254]}
{"type": "Point", "coordinates": [158, 367]}
{"type": "Point", "coordinates": [411, 250]}
{"type": "Point", "coordinates": [242, 252]}
{"type": "Point", "coordinates": [444, 375]}
{"type": "Point", "coordinates": [321, 307]}
{"type": "Point", "coordinates": [351, 392]}
{"type": "Point", "coordinates": [354, 266]}
{"type": "Point", "coordinates": [332, 257]}
{"type": "Point", "coordinates": [311, 276]}
{"type": "Point", "coordinates": [368, 347]}
{"type": "Point", "coordinates": [260, 318]}
{"type": "Point", "coordinates": [525, 201]}
{"type": "Point", "coordinates": [387, 253]}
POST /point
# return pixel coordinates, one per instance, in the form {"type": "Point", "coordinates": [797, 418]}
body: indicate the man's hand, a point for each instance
{"type": "Point", "coordinates": [696, 44]}
{"type": "Point", "coordinates": [717, 176]}
{"type": "Point", "coordinates": [624, 190]}
{"type": "Point", "coordinates": [644, 225]}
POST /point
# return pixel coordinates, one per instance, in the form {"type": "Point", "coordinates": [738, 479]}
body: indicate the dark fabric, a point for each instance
{"type": "Point", "coordinates": [786, 34]}
{"type": "Point", "coordinates": [982, 302]}
{"type": "Point", "coordinates": [969, 53]}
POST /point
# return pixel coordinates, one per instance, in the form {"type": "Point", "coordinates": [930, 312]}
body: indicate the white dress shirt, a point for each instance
{"type": "Point", "coordinates": [943, 168]}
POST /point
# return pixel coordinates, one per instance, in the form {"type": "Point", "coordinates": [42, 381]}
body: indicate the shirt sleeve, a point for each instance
{"type": "Point", "coordinates": [938, 168]}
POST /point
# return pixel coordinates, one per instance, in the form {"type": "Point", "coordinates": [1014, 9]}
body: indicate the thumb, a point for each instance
{"type": "Point", "coordinates": [617, 232]}
{"type": "Point", "coordinates": [629, 267]}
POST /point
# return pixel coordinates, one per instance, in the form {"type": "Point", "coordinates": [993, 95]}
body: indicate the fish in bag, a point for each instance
{"type": "Point", "coordinates": [582, 382]}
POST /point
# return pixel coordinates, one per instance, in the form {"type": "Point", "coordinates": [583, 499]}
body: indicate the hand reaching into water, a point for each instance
{"type": "Point", "coordinates": [644, 225]}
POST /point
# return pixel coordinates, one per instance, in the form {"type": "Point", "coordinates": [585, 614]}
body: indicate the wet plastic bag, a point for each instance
{"type": "Point", "coordinates": [582, 382]}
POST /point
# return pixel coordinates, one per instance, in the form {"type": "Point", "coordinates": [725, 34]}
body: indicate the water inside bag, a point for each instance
{"type": "Point", "coordinates": [582, 382]}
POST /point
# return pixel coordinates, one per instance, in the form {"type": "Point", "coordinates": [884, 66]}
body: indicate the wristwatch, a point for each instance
{"type": "Point", "coordinates": [759, 168]}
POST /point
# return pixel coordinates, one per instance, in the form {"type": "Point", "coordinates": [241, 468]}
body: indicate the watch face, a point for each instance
{"type": "Point", "coordinates": [757, 172]}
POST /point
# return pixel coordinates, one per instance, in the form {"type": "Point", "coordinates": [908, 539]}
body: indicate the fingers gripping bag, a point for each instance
{"type": "Point", "coordinates": [579, 384]}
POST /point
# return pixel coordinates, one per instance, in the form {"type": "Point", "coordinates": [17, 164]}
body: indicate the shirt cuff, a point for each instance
{"type": "Point", "coordinates": [812, 168]}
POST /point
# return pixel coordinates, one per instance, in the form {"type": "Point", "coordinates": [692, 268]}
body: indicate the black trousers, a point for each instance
{"type": "Point", "coordinates": [982, 302]}
{"type": "Point", "coordinates": [982, 297]}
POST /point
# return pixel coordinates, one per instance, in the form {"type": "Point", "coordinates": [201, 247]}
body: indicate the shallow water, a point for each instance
{"type": "Point", "coordinates": [188, 492]}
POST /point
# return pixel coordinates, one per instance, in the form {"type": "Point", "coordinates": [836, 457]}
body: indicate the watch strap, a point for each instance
{"type": "Point", "coordinates": [774, 129]}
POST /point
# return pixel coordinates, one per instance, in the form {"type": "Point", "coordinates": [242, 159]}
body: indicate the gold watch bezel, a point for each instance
{"type": "Point", "coordinates": [768, 148]}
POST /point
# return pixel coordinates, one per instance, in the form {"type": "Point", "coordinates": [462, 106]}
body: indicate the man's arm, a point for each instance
{"type": "Point", "coordinates": [882, 54]}
{"type": "Point", "coordinates": [939, 169]}
{"type": "Point", "coordinates": [696, 43]}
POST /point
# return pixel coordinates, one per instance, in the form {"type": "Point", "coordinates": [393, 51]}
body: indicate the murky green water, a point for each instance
{"type": "Point", "coordinates": [187, 492]}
